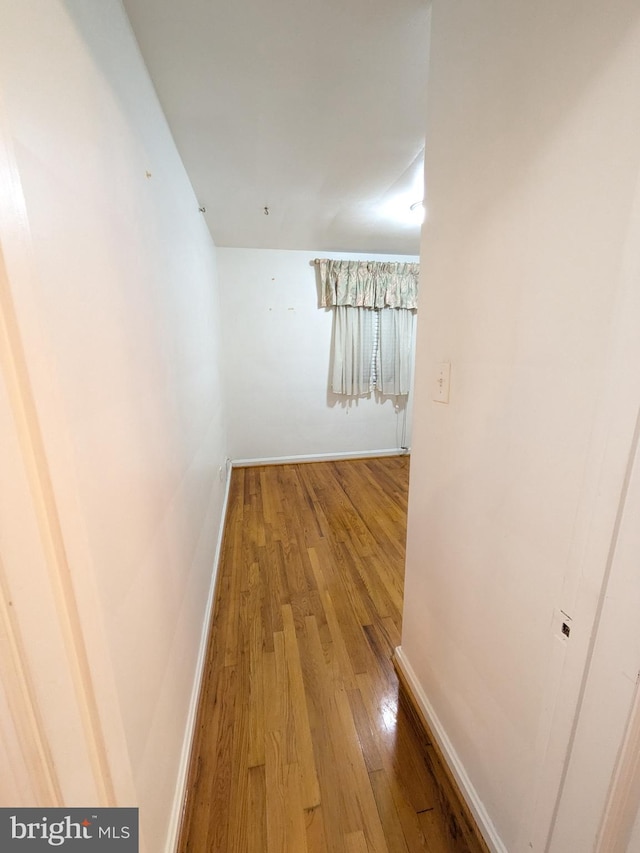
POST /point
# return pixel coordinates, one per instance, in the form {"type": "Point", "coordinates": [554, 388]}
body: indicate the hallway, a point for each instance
{"type": "Point", "coordinates": [302, 741]}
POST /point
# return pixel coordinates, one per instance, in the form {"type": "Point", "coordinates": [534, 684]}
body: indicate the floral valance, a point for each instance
{"type": "Point", "coordinates": [369, 284]}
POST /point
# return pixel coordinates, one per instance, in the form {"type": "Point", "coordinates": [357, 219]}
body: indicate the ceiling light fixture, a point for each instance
{"type": "Point", "coordinates": [418, 211]}
{"type": "Point", "coordinates": [403, 202]}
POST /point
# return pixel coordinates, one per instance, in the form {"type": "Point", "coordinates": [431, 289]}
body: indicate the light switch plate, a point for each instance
{"type": "Point", "coordinates": [442, 382]}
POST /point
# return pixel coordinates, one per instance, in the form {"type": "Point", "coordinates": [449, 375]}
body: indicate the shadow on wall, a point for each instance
{"type": "Point", "coordinates": [400, 405]}
{"type": "Point", "coordinates": [347, 402]}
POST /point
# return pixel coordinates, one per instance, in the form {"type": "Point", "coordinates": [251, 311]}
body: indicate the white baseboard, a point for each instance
{"type": "Point", "coordinates": [173, 832]}
{"type": "Point", "coordinates": [319, 457]}
{"type": "Point", "coordinates": [485, 824]}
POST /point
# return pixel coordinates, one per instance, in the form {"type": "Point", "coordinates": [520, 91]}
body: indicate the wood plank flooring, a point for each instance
{"type": "Point", "coordinates": [303, 742]}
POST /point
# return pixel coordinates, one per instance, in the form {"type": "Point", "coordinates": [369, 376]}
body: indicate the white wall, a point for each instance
{"type": "Point", "coordinates": [277, 343]}
{"type": "Point", "coordinates": [533, 153]}
{"type": "Point", "coordinates": [113, 335]}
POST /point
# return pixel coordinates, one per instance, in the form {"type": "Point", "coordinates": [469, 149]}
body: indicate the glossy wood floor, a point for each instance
{"type": "Point", "coordinates": [303, 743]}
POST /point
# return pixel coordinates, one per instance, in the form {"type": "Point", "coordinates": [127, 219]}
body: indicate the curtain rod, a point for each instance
{"type": "Point", "coordinates": [317, 261]}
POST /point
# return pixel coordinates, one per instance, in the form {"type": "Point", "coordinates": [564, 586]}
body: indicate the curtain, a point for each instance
{"type": "Point", "coordinates": [374, 318]}
{"type": "Point", "coordinates": [369, 284]}
{"type": "Point", "coordinates": [372, 350]}
{"type": "Point", "coordinates": [352, 350]}
{"type": "Point", "coordinates": [394, 356]}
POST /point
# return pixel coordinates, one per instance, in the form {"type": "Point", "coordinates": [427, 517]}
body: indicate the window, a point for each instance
{"type": "Point", "coordinates": [374, 318]}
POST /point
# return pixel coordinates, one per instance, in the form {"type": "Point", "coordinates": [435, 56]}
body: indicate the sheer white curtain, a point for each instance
{"type": "Point", "coordinates": [394, 356]}
{"type": "Point", "coordinates": [374, 322]}
{"type": "Point", "coordinates": [352, 350]}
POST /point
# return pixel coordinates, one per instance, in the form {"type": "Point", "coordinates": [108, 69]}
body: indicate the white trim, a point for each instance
{"type": "Point", "coordinates": [175, 820]}
{"type": "Point", "coordinates": [319, 457]}
{"type": "Point", "coordinates": [622, 803]}
{"type": "Point", "coordinates": [454, 763]}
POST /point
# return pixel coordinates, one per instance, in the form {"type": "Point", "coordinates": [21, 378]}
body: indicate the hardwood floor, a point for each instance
{"type": "Point", "coordinates": [303, 742]}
